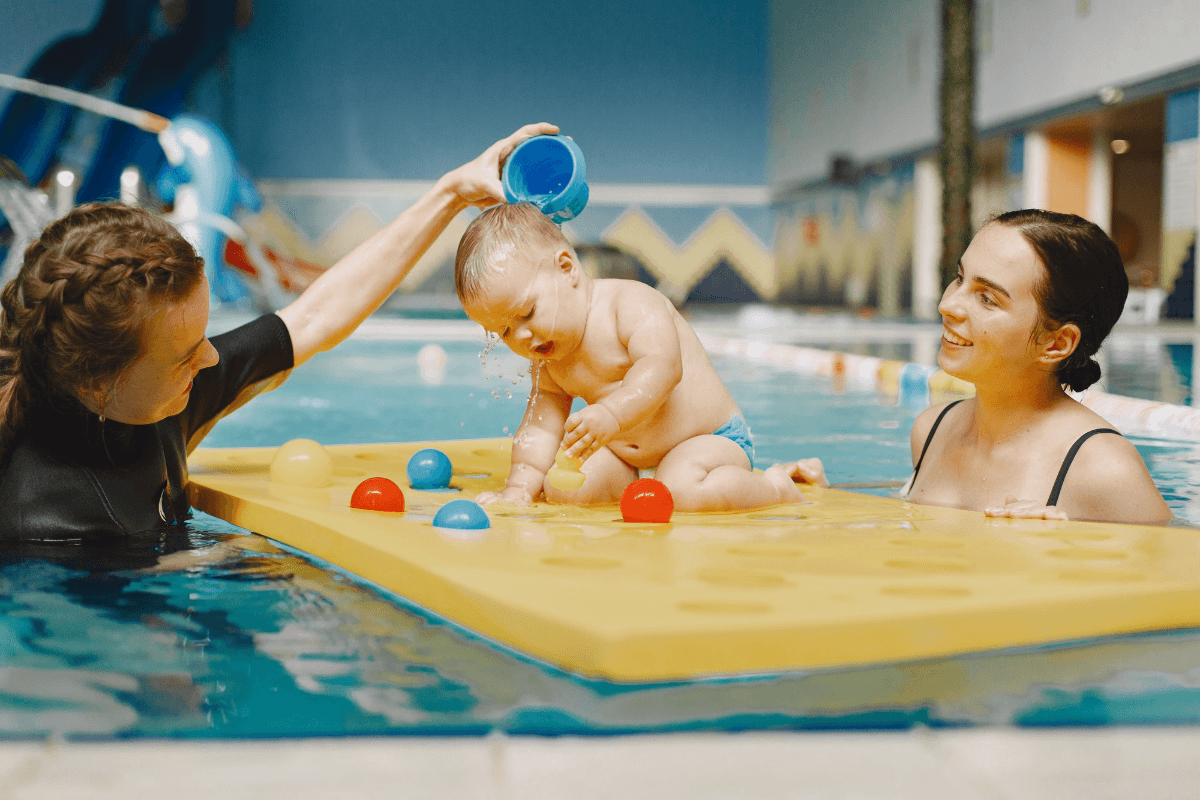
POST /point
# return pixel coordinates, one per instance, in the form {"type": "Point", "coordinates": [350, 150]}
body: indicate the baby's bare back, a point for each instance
{"type": "Point", "coordinates": [698, 404]}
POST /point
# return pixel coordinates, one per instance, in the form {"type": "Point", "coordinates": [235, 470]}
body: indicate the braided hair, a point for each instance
{"type": "Point", "coordinates": [71, 320]}
{"type": "Point", "coordinates": [1083, 282]}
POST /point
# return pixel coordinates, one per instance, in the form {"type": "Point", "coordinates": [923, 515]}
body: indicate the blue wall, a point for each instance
{"type": "Point", "coordinates": [657, 91]}
{"type": "Point", "coordinates": [26, 28]}
{"type": "Point", "coordinates": [850, 77]}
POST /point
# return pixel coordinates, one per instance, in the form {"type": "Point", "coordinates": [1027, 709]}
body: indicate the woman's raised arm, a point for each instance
{"type": "Point", "coordinates": [346, 294]}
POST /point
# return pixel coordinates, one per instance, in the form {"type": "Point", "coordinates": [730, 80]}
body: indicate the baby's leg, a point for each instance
{"type": "Point", "coordinates": [712, 473]}
{"type": "Point", "coordinates": [606, 477]}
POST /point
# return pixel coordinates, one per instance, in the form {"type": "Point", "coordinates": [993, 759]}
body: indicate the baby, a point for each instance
{"type": "Point", "coordinates": [655, 403]}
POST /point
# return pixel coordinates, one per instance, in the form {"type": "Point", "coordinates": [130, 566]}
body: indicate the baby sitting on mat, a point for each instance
{"type": "Point", "coordinates": [655, 403]}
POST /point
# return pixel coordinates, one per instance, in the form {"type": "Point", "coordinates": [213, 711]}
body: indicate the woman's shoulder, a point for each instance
{"type": "Point", "coordinates": [1106, 478]}
{"type": "Point", "coordinates": [1109, 480]}
{"type": "Point", "coordinates": [1070, 422]}
{"type": "Point", "coordinates": [923, 425]}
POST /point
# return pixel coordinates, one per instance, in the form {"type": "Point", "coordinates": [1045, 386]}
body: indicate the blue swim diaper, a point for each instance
{"type": "Point", "coordinates": [738, 432]}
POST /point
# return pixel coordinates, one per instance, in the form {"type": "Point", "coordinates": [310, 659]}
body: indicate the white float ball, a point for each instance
{"type": "Point", "coordinates": [431, 364]}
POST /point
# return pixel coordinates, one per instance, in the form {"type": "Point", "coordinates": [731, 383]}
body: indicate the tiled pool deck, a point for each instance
{"type": "Point", "coordinates": [978, 764]}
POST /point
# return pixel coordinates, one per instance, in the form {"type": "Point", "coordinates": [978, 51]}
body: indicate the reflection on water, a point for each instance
{"type": "Point", "coordinates": [216, 633]}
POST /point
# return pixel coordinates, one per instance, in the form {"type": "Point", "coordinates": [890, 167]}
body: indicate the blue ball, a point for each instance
{"type": "Point", "coordinates": [429, 469]}
{"type": "Point", "coordinates": [463, 514]}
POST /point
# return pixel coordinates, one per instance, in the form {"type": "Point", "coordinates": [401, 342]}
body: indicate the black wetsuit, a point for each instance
{"type": "Point", "coordinates": [71, 476]}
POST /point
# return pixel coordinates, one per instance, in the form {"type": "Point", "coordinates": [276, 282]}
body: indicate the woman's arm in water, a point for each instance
{"type": "Point", "coordinates": [346, 294]}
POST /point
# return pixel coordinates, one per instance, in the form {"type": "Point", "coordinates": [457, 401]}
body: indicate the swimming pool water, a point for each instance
{"type": "Point", "coordinates": [214, 632]}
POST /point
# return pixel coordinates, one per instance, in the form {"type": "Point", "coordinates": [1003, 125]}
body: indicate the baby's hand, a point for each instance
{"type": "Point", "coordinates": [513, 494]}
{"type": "Point", "coordinates": [1024, 509]}
{"type": "Point", "coordinates": [589, 429]}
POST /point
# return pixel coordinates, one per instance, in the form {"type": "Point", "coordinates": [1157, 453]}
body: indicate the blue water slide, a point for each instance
{"type": "Point", "coordinates": [159, 82]}
{"type": "Point", "coordinates": [32, 129]}
{"type": "Point", "coordinates": [204, 183]}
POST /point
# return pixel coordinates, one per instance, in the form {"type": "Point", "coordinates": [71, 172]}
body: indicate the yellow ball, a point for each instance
{"type": "Point", "coordinates": [302, 462]}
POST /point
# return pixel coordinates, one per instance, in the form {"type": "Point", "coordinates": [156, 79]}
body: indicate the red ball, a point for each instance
{"type": "Point", "coordinates": [378, 494]}
{"type": "Point", "coordinates": [647, 500]}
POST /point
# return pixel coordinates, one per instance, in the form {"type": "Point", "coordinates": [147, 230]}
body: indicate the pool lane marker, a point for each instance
{"type": "Point", "coordinates": [919, 385]}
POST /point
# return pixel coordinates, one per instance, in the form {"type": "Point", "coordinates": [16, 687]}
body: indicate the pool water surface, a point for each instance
{"type": "Point", "coordinates": [214, 632]}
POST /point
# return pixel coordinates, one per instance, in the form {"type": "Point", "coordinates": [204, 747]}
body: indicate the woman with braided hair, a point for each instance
{"type": "Point", "coordinates": [107, 379]}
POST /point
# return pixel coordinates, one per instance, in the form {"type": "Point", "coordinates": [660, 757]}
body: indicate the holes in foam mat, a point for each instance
{"type": "Point", "coordinates": [766, 551]}
{"type": "Point", "coordinates": [927, 565]}
{"type": "Point", "coordinates": [741, 578]}
{"type": "Point", "coordinates": [939, 544]}
{"type": "Point", "coordinates": [926, 591]}
{"type": "Point", "coordinates": [582, 562]}
{"type": "Point", "coordinates": [1101, 576]}
{"type": "Point", "coordinates": [723, 607]}
{"type": "Point", "coordinates": [1076, 536]}
{"type": "Point", "coordinates": [776, 517]}
{"type": "Point", "coordinates": [1088, 554]}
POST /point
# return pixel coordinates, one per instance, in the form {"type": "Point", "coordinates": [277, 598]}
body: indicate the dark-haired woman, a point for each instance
{"type": "Point", "coordinates": [107, 379]}
{"type": "Point", "coordinates": [1036, 294]}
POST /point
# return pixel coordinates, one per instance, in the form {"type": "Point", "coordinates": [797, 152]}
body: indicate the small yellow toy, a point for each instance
{"type": "Point", "coordinates": [565, 475]}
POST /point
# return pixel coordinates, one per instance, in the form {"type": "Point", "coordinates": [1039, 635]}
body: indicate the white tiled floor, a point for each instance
{"type": "Point", "coordinates": [985, 764]}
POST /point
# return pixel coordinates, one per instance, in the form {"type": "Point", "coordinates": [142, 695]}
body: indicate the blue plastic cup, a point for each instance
{"type": "Point", "coordinates": [549, 172]}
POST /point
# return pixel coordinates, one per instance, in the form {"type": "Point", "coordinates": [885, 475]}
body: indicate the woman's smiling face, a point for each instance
{"type": "Point", "coordinates": [989, 313]}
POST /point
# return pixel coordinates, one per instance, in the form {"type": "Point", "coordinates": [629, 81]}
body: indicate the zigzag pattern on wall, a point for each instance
{"type": "Point", "coordinates": [356, 225]}
{"type": "Point", "coordinates": [679, 268]}
{"type": "Point", "coordinates": [722, 258]}
{"type": "Point", "coordinates": [833, 250]}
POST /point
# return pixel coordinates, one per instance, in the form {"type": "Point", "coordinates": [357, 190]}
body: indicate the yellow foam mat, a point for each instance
{"type": "Point", "coordinates": [846, 579]}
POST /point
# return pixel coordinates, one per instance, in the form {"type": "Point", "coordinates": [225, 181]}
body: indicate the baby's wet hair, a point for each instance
{"type": "Point", "coordinates": [515, 227]}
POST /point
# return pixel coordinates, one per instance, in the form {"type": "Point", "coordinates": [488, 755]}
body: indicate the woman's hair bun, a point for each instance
{"type": "Point", "coordinates": [1079, 376]}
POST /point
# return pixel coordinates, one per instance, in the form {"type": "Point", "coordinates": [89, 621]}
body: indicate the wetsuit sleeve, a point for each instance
{"type": "Point", "coordinates": [255, 358]}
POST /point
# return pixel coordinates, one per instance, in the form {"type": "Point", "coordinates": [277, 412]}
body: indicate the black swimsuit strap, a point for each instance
{"type": "Point", "coordinates": [1066, 465]}
{"type": "Point", "coordinates": [928, 439]}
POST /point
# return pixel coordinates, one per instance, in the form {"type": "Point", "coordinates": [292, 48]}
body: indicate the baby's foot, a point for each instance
{"type": "Point", "coordinates": [784, 477]}
{"type": "Point", "coordinates": [809, 470]}
{"type": "Point", "coordinates": [780, 476]}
